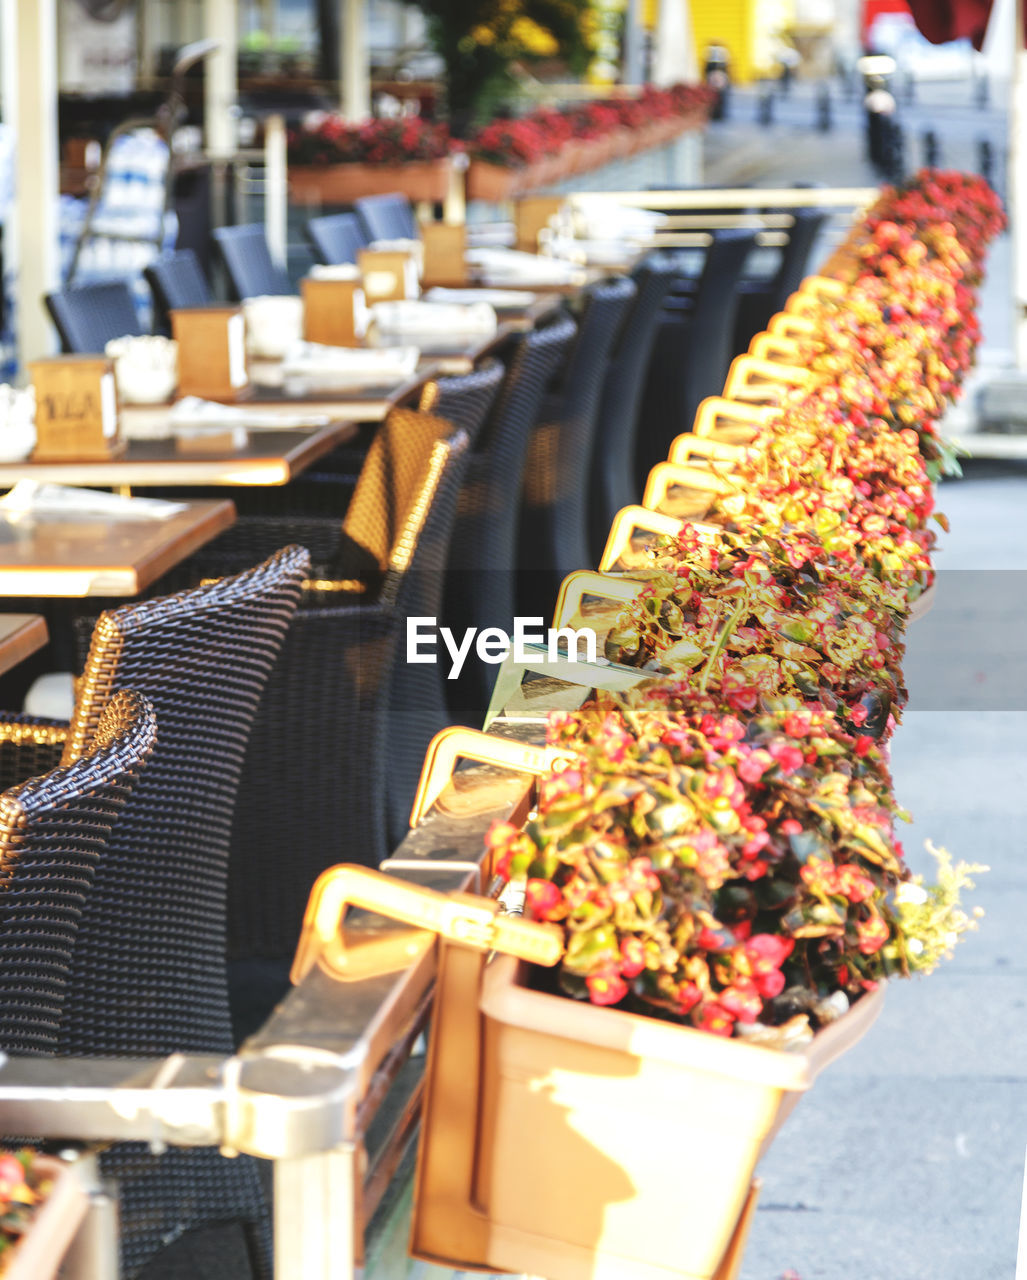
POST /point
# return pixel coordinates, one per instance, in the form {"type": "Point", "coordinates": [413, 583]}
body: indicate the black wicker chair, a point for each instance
{"type": "Point", "coordinates": [613, 454]}
{"type": "Point", "coordinates": [759, 299]}
{"type": "Point", "coordinates": [88, 316]}
{"type": "Point", "coordinates": [328, 757]}
{"type": "Point", "coordinates": [386, 217]}
{"type": "Point", "coordinates": [148, 972]}
{"type": "Point", "coordinates": [553, 538]}
{"type": "Point", "coordinates": [247, 258]}
{"type": "Point", "coordinates": [176, 280]}
{"type": "Point", "coordinates": [336, 238]}
{"type": "Point", "coordinates": [53, 830]}
{"type": "Point", "coordinates": [483, 552]}
{"type": "Point", "coordinates": [692, 350]}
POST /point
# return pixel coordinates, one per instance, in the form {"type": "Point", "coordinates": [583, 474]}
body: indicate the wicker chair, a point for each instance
{"type": "Point", "coordinates": [88, 316]}
{"type": "Point", "coordinates": [53, 830]}
{"type": "Point", "coordinates": [553, 536]}
{"type": "Point", "coordinates": [148, 972]}
{"type": "Point", "coordinates": [759, 299]}
{"type": "Point", "coordinates": [327, 755]}
{"type": "Point", "coordinates": [613, 455]}
{"type": "Point", "coordinates": [479, 589]}
{"type": "Point", "coordinates": [247, 259]}
{"type": "Point", "coordinates": [176, 280]}
{"type": "Point", "coordinates": [336, 238]}
{"type": "Point", "coordinates": [692, 350]}
{"type": "Point", "coordinates": [386, 217]}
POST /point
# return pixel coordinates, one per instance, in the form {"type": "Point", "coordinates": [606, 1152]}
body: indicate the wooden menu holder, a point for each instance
{"type": "Point", "coordinates": [76, 409]}
{"type": "Point", "coordinates": [389, 275]}
{"type": "Point", "coordinates": [531, 214]}
{"type": "Point", "coordinates": [444, 247]}
{"type": "Point", "coordinates": [329, 311]}
{"type": "Point", "coordinates": [211, 352]}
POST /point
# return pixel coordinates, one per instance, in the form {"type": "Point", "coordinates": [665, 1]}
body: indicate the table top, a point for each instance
{"type": "Point", "coordinates": [21, 634]}
{"type": "Point", "coordinates": [95, 556]}
{"type": "Point", "coordinates": [269, 457]}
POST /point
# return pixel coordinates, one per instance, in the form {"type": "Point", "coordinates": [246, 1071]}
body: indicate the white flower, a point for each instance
{"type": "Point", "coordinates": [915, 947]}
{"type": "Point", "coordinates": [910, 894]}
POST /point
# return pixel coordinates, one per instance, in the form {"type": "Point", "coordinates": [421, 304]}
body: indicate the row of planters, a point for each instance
{"type": "Point", "coordinates": [332, 162]}
{"type": "Point", "coordinates": [718, 849]}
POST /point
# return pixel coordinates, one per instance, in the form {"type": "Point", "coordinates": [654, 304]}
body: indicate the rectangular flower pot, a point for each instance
{"type": "Point", "coordinates": [619, 1147]}
{"type": "Point", "coordinates": [343, 183]}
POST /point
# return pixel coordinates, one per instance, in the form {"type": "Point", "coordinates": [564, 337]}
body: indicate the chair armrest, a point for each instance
{"type": "Point", "coordinates": [29, 746]}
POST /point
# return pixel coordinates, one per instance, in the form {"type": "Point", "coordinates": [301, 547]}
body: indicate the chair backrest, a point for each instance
{"type": "Point", "coordinates": [148, 974]}
{"type": "Point", "coordinates": [88, 316]}
{"type": "Point", "coordinates": [464, 399]}
{"type": "Point", "coordinates": [795, 255]}
{"type": "Point", "coordinates": [336, 237]}
{"type": "Point", "coordinates": [553, 541]}
{"type": "Point", "coordinates": [247, 258]}
{"type": "Point", "coordinates": [176, 280]}
{"type": "Point", "coordinates": [386, 217]}
{"type": "Point", "coordinates": [613, 455]}
{"type": "Point", "coordinates": [53, 830]}
{"type": "Point", "coordinates": [483, 552]}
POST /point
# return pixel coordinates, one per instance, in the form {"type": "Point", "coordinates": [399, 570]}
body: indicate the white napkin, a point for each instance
{"type": "Point", "coordinates": [334, 271]}
{"type": "Point", "coordinates": [29, 498]}
{"type": "Point", "coordinates": [191, 411]}
{"type": "Point", "coordinates": [145, 367]}
{"type": "Point", "coordinates": [434, 320]}
{"type": "Point", "coordinates": [494, 297]}
{"type": "Point", "coordinates": [504, 266]}
{"type": "Point", "coordinates": [353, 366]}
{"type": "Point", "coordinates": [17, 423]}
{"type": "Point", "coordinates": [273, 324]}
{"type": "Point", "coordinates": [600, 218]}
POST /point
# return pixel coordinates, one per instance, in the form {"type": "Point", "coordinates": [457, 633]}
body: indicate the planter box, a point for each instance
{"type": "Point", "coordinates": [343, 183]}
{"type": "Point", "coordinates": [39, 1253]}
{"type": "Point", "coordinates": [619, 1147]}
{"type": "Point", "coordinates": [582, 1143]}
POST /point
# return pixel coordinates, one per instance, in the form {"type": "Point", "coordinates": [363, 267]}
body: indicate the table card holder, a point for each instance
{"type": "Point", "coordinates": [531, 214]}
{"type": "Point", "coordinates": [330, 311]}
{"type": "Point", "coordinates": [76, 409]}
{"type": "Point", "coordinates": [389, 275]}
{"type": "Point", "coordinates": [444, 247]}
{"type": "Point", "coordinates": [211, 352]}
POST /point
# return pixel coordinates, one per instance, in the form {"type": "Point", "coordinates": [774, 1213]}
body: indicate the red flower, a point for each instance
{"type": "Point", "coordinates": [606, 988]}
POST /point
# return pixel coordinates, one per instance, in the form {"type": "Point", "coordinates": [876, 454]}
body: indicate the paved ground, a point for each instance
{"type": "Point", "coordinates": [906, 1160]}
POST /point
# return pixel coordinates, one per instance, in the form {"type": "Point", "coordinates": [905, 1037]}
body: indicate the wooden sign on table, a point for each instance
{"type": "Point", "coordinates": [330, 311]}
{"type": "Point", "coordinates": [389, 275]}
{"type": "Point", "coordinates": [76, 409]}
{"type": "Point", "coordinates": [531, 214]}
{"type": "Point", "coordinates": [211, 352]}
{"type": "Point", "coordinates": [444, 247]}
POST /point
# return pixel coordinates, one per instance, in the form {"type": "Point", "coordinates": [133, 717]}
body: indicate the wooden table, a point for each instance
{"type": "Point", "coordinates": [97, 556]}
{"type": "Point", "coordinates": [268, 458]}
{"type": "Point", "coordinates": [21, 634]}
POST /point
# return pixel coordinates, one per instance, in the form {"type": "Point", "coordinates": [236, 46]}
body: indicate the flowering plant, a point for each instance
{"type": "Point", "coordinates": [741, 877]}
{"type": "Point", "coordinates": [329, 140]}
{"type": "Point", "coordinates": [22, 1188]}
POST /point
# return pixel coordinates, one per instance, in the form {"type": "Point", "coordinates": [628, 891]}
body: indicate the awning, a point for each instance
{"type": "Point", "coordinates": [944, 20]}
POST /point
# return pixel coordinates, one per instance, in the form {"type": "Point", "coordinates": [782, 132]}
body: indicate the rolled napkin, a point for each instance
{"type": "Point", "coordinates": [434, 320]}
{"type": "Point", "coordinates": [350, 366]}
{"type": "Point", "coordinates": [145, 368]}
{"type": "Point", "coordinates": [17, 423]}
{"type": "Point", "coordinates": [273, 324]}
{"type": "Point", "coordinates": [29, 498]}
{"type": "Point", "coordinates": [503, 266]}
{"type": "Point", "coordinates": [597, 217]}
{"type": "Point", "coordinates": [191, 412]}
{"type": "Point", "coordinates": [497, 298]}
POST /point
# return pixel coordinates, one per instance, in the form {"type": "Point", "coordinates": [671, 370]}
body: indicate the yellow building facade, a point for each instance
{"type": "Point", "coordinates": [752, 31]}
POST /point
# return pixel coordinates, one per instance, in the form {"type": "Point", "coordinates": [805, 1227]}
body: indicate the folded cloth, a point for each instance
{"type": "Point", "coordinates": [273, 324]}
{"type": "Point", "coordinates": [191, 412]}
{"type": "Point", "coordinates": [502, 266]}
{"type": "Point", "coordinates": [29, 498]}
{"type": "Point", "coordinates": [498, 298]}
{"type": "Point", "coordinates": [351, 366]}
{"type": "Point", "coordinates": [434, 319]}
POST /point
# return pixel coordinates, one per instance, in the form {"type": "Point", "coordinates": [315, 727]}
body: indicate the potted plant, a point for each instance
{"type": "Point", "coordinates": [732, 895]}
{"type": "Point", "coordinates": [42, 1204]}
{"type": "Point", "coordinates": [331, 162]}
